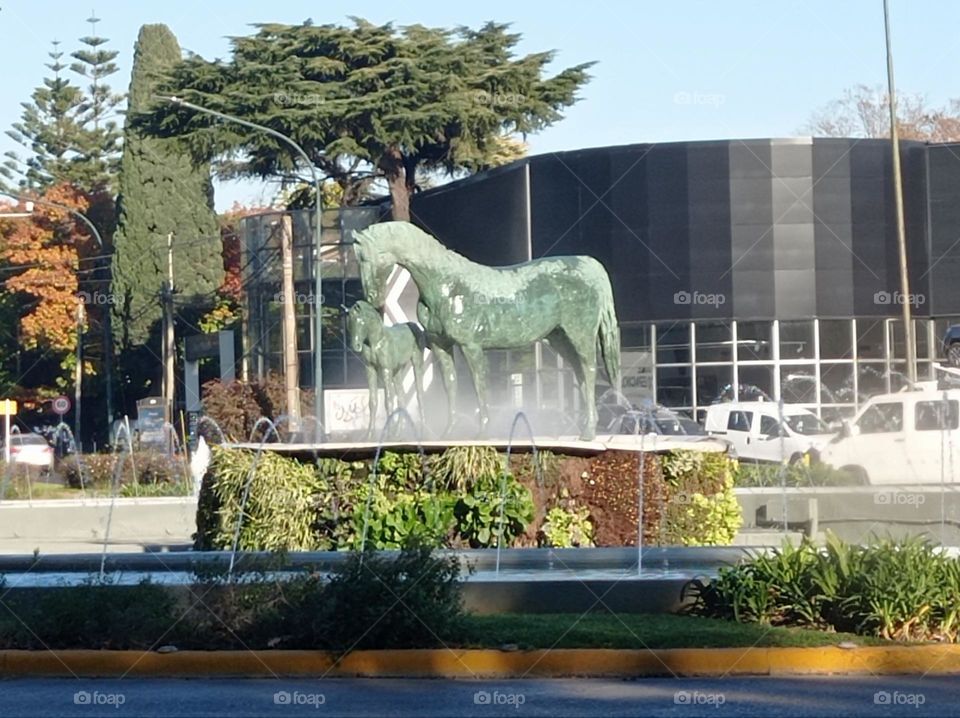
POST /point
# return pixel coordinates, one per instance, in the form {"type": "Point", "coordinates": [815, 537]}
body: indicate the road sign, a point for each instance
{"type": "Point", "coordinates": [8, 407]}
{"type": "Point", "coordinates": [61, 405]}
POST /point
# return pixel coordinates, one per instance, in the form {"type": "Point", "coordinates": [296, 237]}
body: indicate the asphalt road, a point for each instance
{"type": "Point", "coordinates": [837, 697]}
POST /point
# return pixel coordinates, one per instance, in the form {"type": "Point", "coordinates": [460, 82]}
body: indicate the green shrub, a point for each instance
{"type": "Point", "coordinates": [567, 527]}
{"type": "Point", "coordinates": [94, 615]}
{"type": "Point", "coordinates": [700, 506]}
{"type": "Point", "coordinates": [496, 507]}
{"type": "Point", "coordinates": [801, 473]}
{"type": "Point", "coordinates": [896, 589]}
{"type": "Point", "coordinates": [141, 473]}
{"type": "Point", "coordinates": [459, 467]}
{"type": "Point", "coordinates": [410, 600]}
{"type": "Point", "coordinates": [294, 505]}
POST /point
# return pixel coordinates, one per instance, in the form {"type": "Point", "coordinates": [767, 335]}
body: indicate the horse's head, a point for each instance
{"type": "Point", "coordinates": [377, 261]}
{"type": "Point", "coordinates": [362, 318]}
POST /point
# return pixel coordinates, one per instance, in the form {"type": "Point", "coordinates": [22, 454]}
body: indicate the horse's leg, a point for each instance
{"type": "Point", "coordinates": [448, 372]}
{"type": "Point", "coordinates": [417, 358]}
{"type": "Point", "coordinates": [373, 401]}
{"type": "Point", "coordinates": [478, 370]}
{"type": "Point", "coordinates": [566, 348]}
{"type": "Point", "coordinates": [585, 367]}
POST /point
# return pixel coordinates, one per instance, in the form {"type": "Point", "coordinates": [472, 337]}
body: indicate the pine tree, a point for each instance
{"type": "Point", "coordinates": [48, 130]}
{"type": "Point", "coordinates": [367, 101]}
{"type": "Point", "coordinates": [161, 192]}
{"type": "Point", "coordinates": [96, 168]}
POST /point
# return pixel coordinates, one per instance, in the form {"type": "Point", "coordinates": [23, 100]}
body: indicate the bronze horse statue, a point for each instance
{"type": "Point", "coordinates": [567, 301]}
{"type": "Point", "coordinates": [387, 352]}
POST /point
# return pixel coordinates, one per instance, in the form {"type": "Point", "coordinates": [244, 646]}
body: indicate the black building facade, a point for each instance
{"type": "Point", "coordinates": [739, 268]}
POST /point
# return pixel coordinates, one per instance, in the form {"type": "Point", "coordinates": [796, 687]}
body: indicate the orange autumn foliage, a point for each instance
{"type": "Point", "coordinates": [47, 247]}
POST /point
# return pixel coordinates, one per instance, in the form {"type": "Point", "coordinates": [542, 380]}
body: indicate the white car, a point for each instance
{"type": "Point", "coordinates": [32, 450]}
{"type": "Point", "coordinates": [755, 431]}
{"type": "Point", "coordinates": [910, 437]}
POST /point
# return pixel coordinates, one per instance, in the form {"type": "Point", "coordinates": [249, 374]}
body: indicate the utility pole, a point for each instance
{"type": "Point", "coordinates": [169, 351]}
{"type": "Point", "coordinates": [911, 347]}
{"type": "Point", "coordinates": [291, 362]}
{"type": "Point", "coordinates": [78, 378]}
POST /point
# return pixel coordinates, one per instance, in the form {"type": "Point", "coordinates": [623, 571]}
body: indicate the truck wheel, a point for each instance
{"type": "Point", "coordinates": [953, 354]}
{"type": "Point", "coordinates": [858, 476]}
{"type": "Point", "coordinates": [796, 458]}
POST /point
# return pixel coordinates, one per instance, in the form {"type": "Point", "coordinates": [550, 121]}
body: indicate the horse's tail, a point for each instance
{"type": "Point", "coordinates": [610, 337]}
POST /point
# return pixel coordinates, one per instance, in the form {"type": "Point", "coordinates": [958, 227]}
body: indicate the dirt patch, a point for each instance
{"type": "Point", "coordinates": [610, 490]}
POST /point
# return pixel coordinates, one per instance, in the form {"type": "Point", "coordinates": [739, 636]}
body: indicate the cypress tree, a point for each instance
{"type": "Point", "coordinates": [161, 192]}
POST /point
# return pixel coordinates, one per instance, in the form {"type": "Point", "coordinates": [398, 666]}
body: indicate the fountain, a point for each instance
{"type": "Point", "coordinates": [396, 413]}
{"type": "Point", "coordinates": [506, 470]}
{"type": "Point", "coordinates": [272, 427]}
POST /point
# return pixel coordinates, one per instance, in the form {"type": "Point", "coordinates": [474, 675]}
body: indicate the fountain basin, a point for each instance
{"type": "Point", "coordinates": [529, 580]}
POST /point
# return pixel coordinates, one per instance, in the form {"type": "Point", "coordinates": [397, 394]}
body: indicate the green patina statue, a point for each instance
{"type": "Point", "coordinates": [566, 300]}
{"type": "Point", "coordinates": [386, 352]}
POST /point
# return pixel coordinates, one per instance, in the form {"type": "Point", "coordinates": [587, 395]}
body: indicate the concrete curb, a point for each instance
{"type": "Point", "coordinates": [470, 663]}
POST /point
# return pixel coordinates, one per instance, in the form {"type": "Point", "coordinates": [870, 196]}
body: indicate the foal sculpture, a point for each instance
{"type": "Point", "coordinates": [387, 352]}
{"type": "Point", "coordinates": [567, 301]}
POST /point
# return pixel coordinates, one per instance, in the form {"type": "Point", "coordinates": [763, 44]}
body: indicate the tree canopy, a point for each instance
{"type": "Point", "coordinates": [366, 102]}
{"type": "Point", "coordinates": [864, 112]}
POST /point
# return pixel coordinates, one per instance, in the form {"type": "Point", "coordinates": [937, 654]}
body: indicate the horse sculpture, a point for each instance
{"type": "Point", "coordinates": [566, 300]}
{"type": "Point", "coordinates": [386, 352]}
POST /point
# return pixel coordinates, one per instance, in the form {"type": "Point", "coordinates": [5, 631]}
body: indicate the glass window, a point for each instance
{"type": "Point", "coordinates": [714, 342]}
{"type": "Point", "coordinates": [712, 383]}
{"type": "Point", "coordinates": [936, 415]}
{"type": "Point", "coordinates": [836, 384]}
{"type": "Point", "coordinates": [754, 341]}
{"type": "Point", "coordinates": [756, 383]}
{"type": "Point", "coordinates": [739, 421]}
{"type": "Point", "coordinates": [673, 343]}
{"type": "Point", "coordinates": [886, 418]}
{"type": "Point", "coordinates": [871, 380]}
{"type": "Point", "coordinates": [769, 426]}
{"type": "Point", "coordinates": [628, 425]}
{"type": "Point", "coordinates": [836, 340]}
{"type": "Point", "coordinates": [870, 338]}
{"type": "Point", "coordinates": [806, 424]}
{"type": "Point", "coordinates": [636, 336]}
{"type": "Point", "coordinates": [674, 386]}
{"type": "Point", "coordinates": [798, 385]}
{"type": "Point", "coordinates": [796, 340]}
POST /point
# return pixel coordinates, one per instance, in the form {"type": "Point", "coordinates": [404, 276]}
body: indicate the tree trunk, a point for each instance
{"type": "Point", "coordinates": [394, 169]}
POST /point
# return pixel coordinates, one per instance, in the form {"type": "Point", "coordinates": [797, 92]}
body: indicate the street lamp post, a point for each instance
{"type": "Point", "coordinates": [108, 334]}
{"type": "Point", "coordinates": [318, 286]}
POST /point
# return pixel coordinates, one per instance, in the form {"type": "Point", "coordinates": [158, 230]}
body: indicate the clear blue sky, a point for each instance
{"type": "Point", "coordinates": [676, 70]}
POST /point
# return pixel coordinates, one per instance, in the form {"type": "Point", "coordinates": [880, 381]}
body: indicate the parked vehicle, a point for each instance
{"type": "Point", "coordinates": [31, 450]}
{"type": "Point", "coordinates": [755, 431]}
{"type": "Point", "coordinates": [902, 438]}
{"type": "Point", "coordinates": [655, 420]}
{"type": "Point", "coordinates": [951, 345]}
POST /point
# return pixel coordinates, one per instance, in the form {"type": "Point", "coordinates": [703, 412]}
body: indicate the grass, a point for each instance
{"type": "Point", "coordinates": [605, 630]}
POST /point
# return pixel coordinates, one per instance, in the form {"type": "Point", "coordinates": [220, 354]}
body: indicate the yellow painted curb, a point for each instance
{"type": "Point", "coordinates": [440, 663]}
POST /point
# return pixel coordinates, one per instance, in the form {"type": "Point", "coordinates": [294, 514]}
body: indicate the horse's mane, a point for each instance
{"type": "Point", "coordinates": [403, 232]}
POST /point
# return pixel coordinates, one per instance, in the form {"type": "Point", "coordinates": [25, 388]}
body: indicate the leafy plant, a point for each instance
{"type": "Point", "coordinates": [896, 589]}
{"type": "Point", "coordinates": [567, 527]}
{"type": "Point", "coordinates": [497, 508]}
{"type": "Point", "coordinates": [459, 467]}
